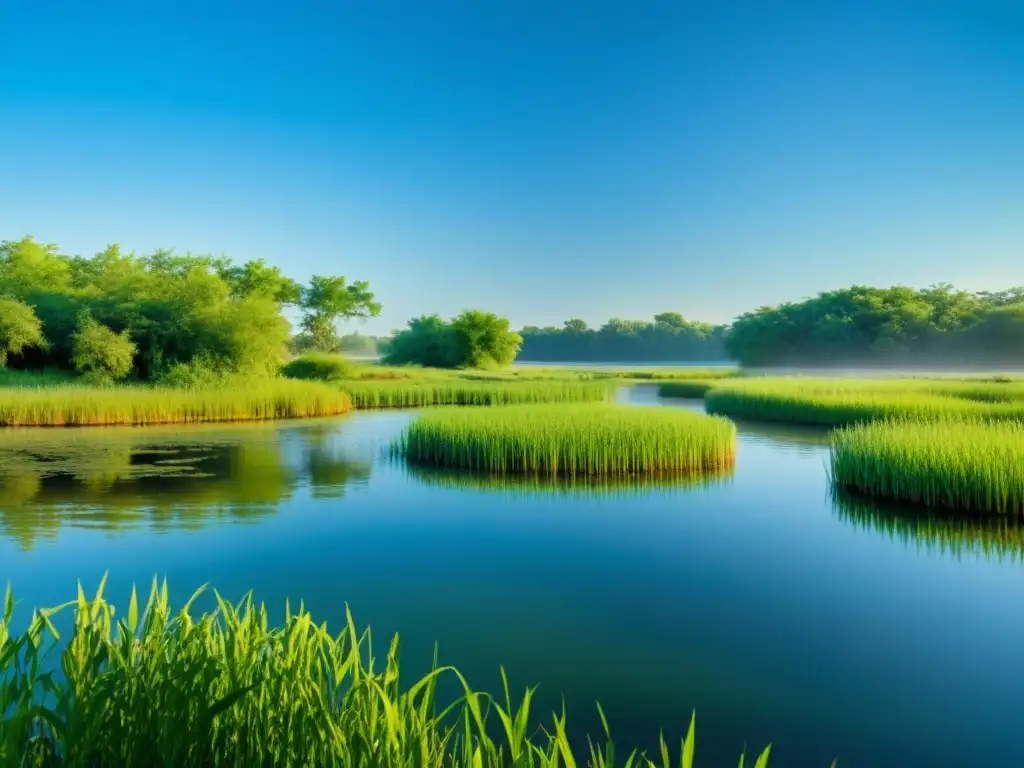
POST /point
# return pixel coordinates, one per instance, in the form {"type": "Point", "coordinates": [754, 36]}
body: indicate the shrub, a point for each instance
{"type": "Point", "coordinates": [322, 367]}
{"type": "Point", "coordinates": [100, 352]}
{"type": "Point", "coordinates": [19, 328]}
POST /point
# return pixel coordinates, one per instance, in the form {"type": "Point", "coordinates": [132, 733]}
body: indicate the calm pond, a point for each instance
{"type": "Point", "coordinates": [829, 628]}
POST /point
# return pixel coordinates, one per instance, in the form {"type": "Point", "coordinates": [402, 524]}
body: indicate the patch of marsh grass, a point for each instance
{"type": "Point", "coordinates": [835, 402]}
{"type": "Point", "coordinates": [417, 394]}
{"type": "Point", "coordinates": [242, 400]}
{"type": "Point", "coordinates": [959, 464]}
{"type": "Point", "coordinates": [570, 440]}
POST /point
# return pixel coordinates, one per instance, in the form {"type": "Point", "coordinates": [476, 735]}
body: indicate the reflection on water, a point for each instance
{"type": "Point", "coordinates": [937, 530]}
{"type": "Point", "coordinates": [114, 478]}
{"type": "Point", "coordinates": [581, 486]}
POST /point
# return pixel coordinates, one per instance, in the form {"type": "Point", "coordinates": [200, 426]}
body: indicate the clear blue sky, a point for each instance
{"type": "Point", "coordinates": [541, 159]}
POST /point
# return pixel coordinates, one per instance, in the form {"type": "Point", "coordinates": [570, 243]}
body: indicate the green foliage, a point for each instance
{"type": "Point", "coordinates": [485, 340]}
{"type": "Point", "coordinates": [319, 366]}
{"type": "Point", "coordinates": [100, 352]}
{"type": "Point", "coordinates": [474, 339]}
{"type": "Point", "coordinates": [885, 326]}
{"type": "Point", "coordinates": [149, 684]}
{"type": "Point", "coordinates": [669, 338]}
{"type": "Point", "coordinates": [328, 299]}
{"type": "Point", "coordinates": [238, 400]}
{"type": "Point", "coordinates": [413, 393]}
{"type": "Point", "coordinates": [19, 328]}
{"type": "Point", "coordinates": [959, 464]}
{"type": "Point", "coordinates": [834, 402]}
{"type": "Point", "coordinates": [174, 308]}
{"type": "Point", "coordinates": [570, 440]}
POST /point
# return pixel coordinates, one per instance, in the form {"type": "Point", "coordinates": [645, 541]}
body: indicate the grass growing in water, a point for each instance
{"type": "Point", "coordinates": [416, 394]}
{"type": "Point", "coordinates": [835, 402]}
{"type": "Point", "coordinates": [162, 686]}
{"type": "Point", "coordinates": [573, 440]}
{"type": "Point", "coordinates": [73, 406]}
{"type": "Point", "coordinates": [959, 464]}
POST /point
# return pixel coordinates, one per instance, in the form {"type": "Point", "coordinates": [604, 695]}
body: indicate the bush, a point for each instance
{"type": "Point", "coordinates": [99, 352]}
{"type": "Point", "coordinates": [19, 328]}
{"type": "Point", "coordinates": [321, 367]}
{"type": "Point", "coordinates": [474, 339]}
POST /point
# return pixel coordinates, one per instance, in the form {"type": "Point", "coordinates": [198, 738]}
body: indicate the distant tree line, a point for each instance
{"type": "Point", "coordinates": [159, 316]}
{"type": "Point", "coordinates": [895, 326]}
{"type": "Point", "coordinates": [669, 338]}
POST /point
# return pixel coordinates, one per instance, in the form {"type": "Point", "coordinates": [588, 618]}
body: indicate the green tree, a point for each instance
{"type": "Point", "coordinates": [484, 339]}
{"type": "Point", "coordinates": [429, 341]}
{"type": "Point", "coordinates": [259, 278]}
{"type": "Point", "coordinates": [19, 328]}
{"type": "Point", "coordinates": [100, 352]}
{"type": "Point", "coordinates": [326, 300]}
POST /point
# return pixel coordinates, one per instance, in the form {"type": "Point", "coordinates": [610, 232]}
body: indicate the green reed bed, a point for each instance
{"type": "Point", "coordinates": [570, 440]}
{"type": "Point", "coordinates": [960, 464]}
{"type": "Point", "coordinates": [417, 394]}
{"type": "Point", "coordinates": [156, 685]}
{"type": "Point", "coordinates": [72, 406]}
{"type": "Point", "coordinates": [835, 402]}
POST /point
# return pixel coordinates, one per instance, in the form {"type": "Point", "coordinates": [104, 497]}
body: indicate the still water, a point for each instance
{"type": "Point", "coordinates": [831, 629]}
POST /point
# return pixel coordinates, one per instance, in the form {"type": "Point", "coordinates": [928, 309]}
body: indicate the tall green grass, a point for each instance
{"type": "Point", "coordinates": [72, 405]}
{"type": "Point", "coordinates": [960, 464]}
{"type": "Point", "coordinates": [571, 440]}
{"type": "Point", "coordinates": [417, 394]}
{"type": "Point", "coordinates": [154, 685]}
{"type": "Point", "coordinates": [835, 402]}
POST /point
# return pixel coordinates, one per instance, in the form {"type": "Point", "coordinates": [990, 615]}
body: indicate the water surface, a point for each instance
{"type": "Point", "coordinates": [830, 629]}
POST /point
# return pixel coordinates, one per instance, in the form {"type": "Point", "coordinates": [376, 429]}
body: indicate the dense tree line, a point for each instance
{"type": "Point", "coordinates": [669, 338]}
{"type": "Point", "coordinates": [898, 326]}
{"type": "Point", "coordinates": [163, 315]}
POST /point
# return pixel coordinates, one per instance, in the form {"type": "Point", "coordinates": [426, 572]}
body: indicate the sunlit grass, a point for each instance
{"type": "Point", "coordinates": [571, 440]}
{"type": "Point", "coordinates": [152, 684]}
{"type": "Point", "coordinates": [415, 394]}
{"type": "Point", "coordinates": [960, 464]}
{"type": "Point", "coordinates": [259, 399]}
{"type": "Point", "coordinates": [834, 402]}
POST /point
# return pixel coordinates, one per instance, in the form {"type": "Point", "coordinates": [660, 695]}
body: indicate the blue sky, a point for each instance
{"type": "Point", "coordinates": [544, 160]}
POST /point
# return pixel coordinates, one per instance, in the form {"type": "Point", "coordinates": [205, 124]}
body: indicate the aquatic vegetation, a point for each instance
{"type": "Point", "coordinates": [834, 402]}
{"type": "Point", "coordinates": [416, 394]}
{"type": "Point", "coordinates": [988, 537]}
{"type": "Point", "coordinates": [961, 464]}
{"type": "Point", "coordinates": [573, 440]}
{"type": "Point", "coordinates": [154, 683]}
{"type": "Point", "coordinates": [246, 399]}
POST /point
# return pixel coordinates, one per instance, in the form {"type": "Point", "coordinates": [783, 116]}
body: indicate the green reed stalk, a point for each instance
{"type": "Point", "coordinates": [155, 685]}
